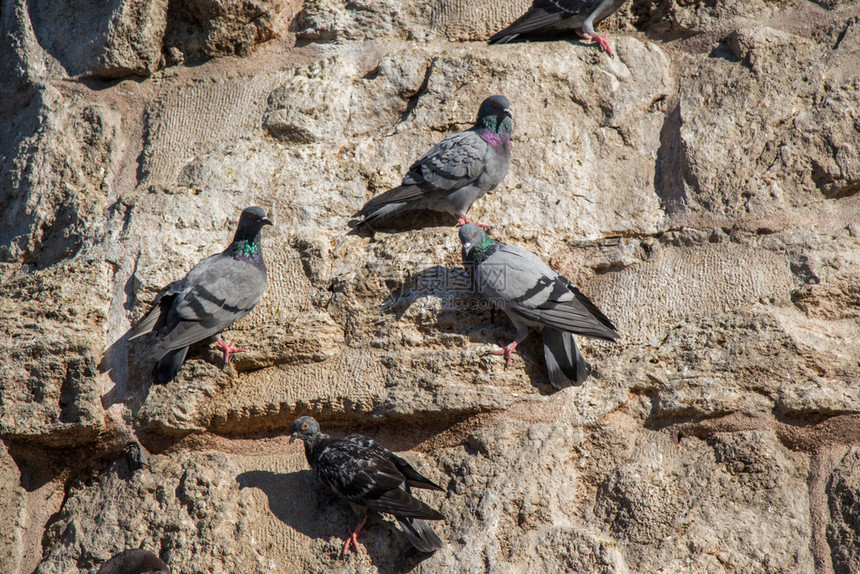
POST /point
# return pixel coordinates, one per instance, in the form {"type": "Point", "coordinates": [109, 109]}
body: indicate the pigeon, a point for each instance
{"type": "Point", "coordinates": [547, 15]}
{"type": "Point", "coordinates": [216, 293]}
{"type": "Point", "coordinates": [533, 295]}
{"type": "Point", "coordinates": [368, 476]}
{"type": "Point", "coordinates": [134, 561]}
{"type": "Point", "coordinates": [455, 172]}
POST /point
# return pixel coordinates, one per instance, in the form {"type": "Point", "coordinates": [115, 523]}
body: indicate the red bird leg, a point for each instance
{"type": "Point", "coordinates": [463, 219]}
{"type": "Point", "coordinates": [228, 348]}
{"type": "Point", "coordinates": [507, 350]}
{"type": "Point", "coordinates": [353, 536]}
{"type": "Point", "coordinates": [601, 41]}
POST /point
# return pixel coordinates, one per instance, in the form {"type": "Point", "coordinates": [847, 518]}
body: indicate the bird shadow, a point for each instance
{"type": "Point", "coordinates": [131, 376]}
{"type": "Point", "coordinates": [463, 312]}
{"type": "Point", "coordinates": [298, 500]}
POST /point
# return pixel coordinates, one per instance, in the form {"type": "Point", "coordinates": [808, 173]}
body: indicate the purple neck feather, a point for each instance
{"type": "Point", "coordinates": [495, 139]}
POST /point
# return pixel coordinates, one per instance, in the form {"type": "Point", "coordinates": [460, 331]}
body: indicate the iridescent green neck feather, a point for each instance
{"type": "Point", "coordinates": [491, 123]}
{"type": "Point", "coordinates": [482, 251]}
{"type": "Point", "coordinates": [244, 248]}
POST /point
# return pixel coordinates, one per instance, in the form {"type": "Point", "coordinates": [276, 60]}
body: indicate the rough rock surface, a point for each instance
{"type": "Point", "coordinates": [703, 188]}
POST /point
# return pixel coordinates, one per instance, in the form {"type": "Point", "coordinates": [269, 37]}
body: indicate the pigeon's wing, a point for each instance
{"type": "Point", "coordinates": [410, 475]}
{"type": "Point", "coordinates": [413, 477]}
{"type": "Point", "coordinates": [359, 470]}
{"type": "Point", "coordinates": [353, 469]}
{"type": "Point", "coordinates": [220, 290]}
{"type": "Point", "coordinates": [531, 289]}
{"type": "Point", "coordinates": [453, 163]}
{"type": "Point", "coordinates": [400, 502]}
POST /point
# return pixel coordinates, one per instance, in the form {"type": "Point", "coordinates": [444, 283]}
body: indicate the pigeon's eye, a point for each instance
{"type": "Point", "coordinates": [474, 235]}
{"type": "Point", "coordinates": [304, 426]}
{"type": "Point", "coordinates": [252, 216]}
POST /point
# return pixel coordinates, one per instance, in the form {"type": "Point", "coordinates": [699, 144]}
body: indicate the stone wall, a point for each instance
{"type": "Point", "coordinates": [703, 188]}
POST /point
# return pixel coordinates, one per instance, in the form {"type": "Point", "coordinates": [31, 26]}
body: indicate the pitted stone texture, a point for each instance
{"type": "Point", "coordinates": [12, 513]}
{"type": "Point", "coordinates": [843, 532]}
{"type": "Point", "coordinates": [212, 28]}
{"type": "Point", "coordinates": [721, 237]}
{"type": "Point", "coordinates": [105, 39]}
{"type": "Point", "coordinates": [49, 384]}
{"type": "Point", "coordinates": [737, 499]}
{"type": "Point", "coordinates": [186, 507]}
{"type": "Point", "coordinates": [63, 157]}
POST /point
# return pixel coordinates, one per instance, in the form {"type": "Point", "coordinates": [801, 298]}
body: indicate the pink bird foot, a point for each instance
{"type": "Point", "coordinates": [228, 348]}
{"type": "Point", "coordinates": [601, 41]}
{"type": "Point", "coordinates": [353, 536]}
{"type": "Point", "coordinates": [507, 350]}
{"type": "Point", "coordinates": [463, 219]}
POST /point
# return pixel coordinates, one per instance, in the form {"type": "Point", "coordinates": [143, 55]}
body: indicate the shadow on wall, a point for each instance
{"type": "Point", "coordinates": [299, 501]}
{"type": "Point", "coordinates": [467, 314]}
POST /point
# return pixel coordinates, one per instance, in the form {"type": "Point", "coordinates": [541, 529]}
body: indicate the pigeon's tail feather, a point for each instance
{"type": "Point", "coordinates": [379, 213]}
{"type": "Point", "coordinates": [535, 20]}
{"type": "Point", "coordinates": [146, 324]}
{"type": "Point", "coordinates": [157, 315]}
{"type": "Point", "coordinates": [168, 366]}
{"type": "Point", "coordinates": [502, 38]}
{"type": "Point", "coordinates": [420, 534]}
{"type": "Point", "coordinates": [565, 363]}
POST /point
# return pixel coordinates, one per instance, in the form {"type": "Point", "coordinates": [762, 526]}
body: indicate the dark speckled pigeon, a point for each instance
{"type": "Point", "coordinates": [216, 293]}
{"type": "Point", "coordinates": [134, 561]}
{"type": "Point", "coordinates": [549, 15]}
{"type": "Point", "coordinates": [533, 295]}
{"type": "Point", "coordinates": [368, 476]}
{"type": "Point", "coordinates": [456, 172]}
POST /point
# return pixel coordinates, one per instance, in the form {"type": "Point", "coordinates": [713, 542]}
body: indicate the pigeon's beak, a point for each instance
{"type": "Point", "coordinates": [467, 246]}
{"type": "Point", "coordinates": [293, 437]}
{"type": "Point", "coordinates": [508, 111]}
{"type": "Point", "coordinates": [266, 221]}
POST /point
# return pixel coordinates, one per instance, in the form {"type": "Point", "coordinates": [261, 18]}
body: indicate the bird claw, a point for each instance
{"type": "Point", "coordinates": [507, 351]}
{"type": "Point", "coordinates": [228, 348]}
{"type": "Point", "coordinates": [601, 41]}
{"type": "Point", "coordinates": [352, 538]}
{"type": "Point", "coordinates": [464, 219]}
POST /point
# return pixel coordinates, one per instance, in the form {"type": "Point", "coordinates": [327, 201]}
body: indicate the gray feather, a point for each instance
{"type": "Point", "coordinates": [533, 295]}
{"type": "Point", "coordinates": [564, 362]}
{"type": "Point", "coordinates": [451, 176]}
{"type": "Point", "coordinates": [216, 293]}
{"type": "Point", "coordinates": [555, 15]}
{"type": "Point", "coordinates": [524, 285]}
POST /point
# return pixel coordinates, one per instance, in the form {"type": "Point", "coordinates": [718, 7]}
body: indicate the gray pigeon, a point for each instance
{"type": "Point", "coordinates": [369, 476]}
{"type": "Point", "coordinates": [550, 15]}
{"type": "Point", "coordinates": [134, 561]}
{"type": "Point", "coordinates": [216, 293]}
{"type": "Point", "coordinates": [533, 295]}
{"type": "Point", "coordinates": [455, 172]}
